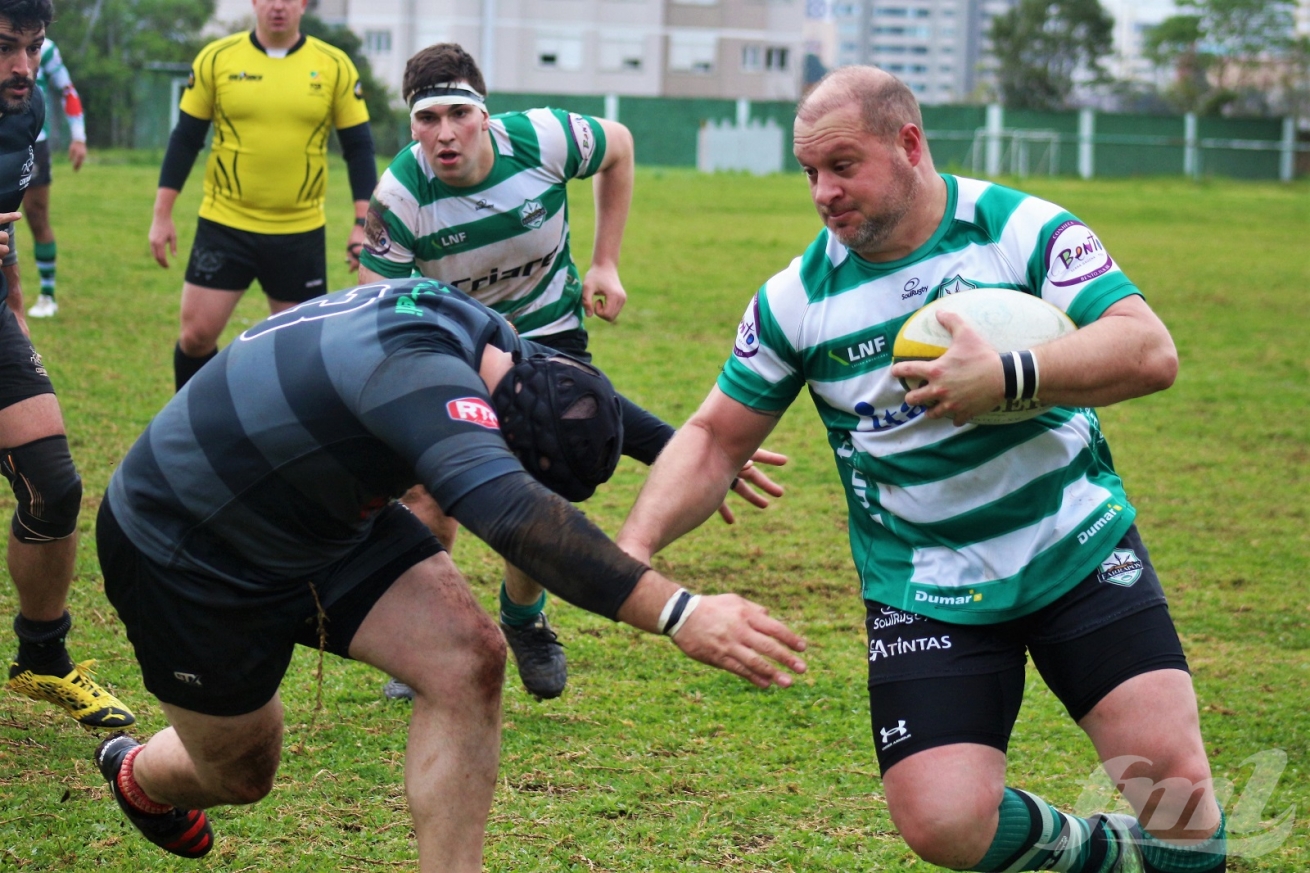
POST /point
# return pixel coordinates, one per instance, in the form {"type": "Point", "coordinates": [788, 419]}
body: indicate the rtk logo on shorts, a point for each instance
{"type": "Point", "coordinates": [1123, 567]}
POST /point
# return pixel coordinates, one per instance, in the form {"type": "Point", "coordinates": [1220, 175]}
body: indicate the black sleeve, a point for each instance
{"type": "Point", "coordinates": [357, 149]}
{"type": "Point", "coordinates": [644, 433]}
{"type": "Point", "coordinates": [186, 141]}
{"type": "Point", "coordinates": [11, 256]}
{"type": "Point", "coordinates": [548, 538]}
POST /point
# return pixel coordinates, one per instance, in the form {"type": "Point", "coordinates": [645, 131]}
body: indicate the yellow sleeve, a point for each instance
{"type": "Point", "coordinates": [348, 108]}
{"type": "Point", "coordinates": [198, 96]}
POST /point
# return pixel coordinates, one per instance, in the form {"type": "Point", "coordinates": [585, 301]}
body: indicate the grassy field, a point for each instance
{"type": "Point", "coordinates": [652, 762]}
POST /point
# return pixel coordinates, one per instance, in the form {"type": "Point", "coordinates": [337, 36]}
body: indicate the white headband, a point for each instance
{"type": "Point", "coordinates": [445, 94]}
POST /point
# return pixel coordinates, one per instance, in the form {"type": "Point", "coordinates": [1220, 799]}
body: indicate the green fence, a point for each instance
{"type": "Point", "coordinates": [975, 139]}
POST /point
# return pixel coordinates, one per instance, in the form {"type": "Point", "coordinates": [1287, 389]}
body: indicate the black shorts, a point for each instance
{"type": "Point", "coordinates": [22, 374]}
{"type": "Point", "coordinates": [932, 683]}
{"type": "Point", "coordinates": [207, 646]}
{"type": "Point", "coordinates": [41, 173]}
{"type": "Point", "coordinates": [291, 267]}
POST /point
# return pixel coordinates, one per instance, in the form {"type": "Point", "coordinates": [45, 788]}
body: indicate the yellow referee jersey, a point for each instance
{"type": "Point", "coordinates": [267, 168]}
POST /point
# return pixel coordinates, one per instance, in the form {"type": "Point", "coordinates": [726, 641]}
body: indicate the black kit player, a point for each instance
{"type": "Point", "coordinates": [33, 447]}
{"type": "Point", "coordinates": [273, 95]}
{"type": "Point", "coordinates": [258, 511]}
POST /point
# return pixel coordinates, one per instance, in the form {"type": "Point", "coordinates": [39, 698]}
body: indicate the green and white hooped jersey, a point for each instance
{"type": "Point", "coordinates": [51, 70]}
{"type": "Point", "coordinates": [972, 525]}
{"type": "Point", "coordinates": [504, 242]}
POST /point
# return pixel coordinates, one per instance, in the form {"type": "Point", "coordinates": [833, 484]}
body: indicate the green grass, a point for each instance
{"type": "Point", "coordinates": [650, 761]}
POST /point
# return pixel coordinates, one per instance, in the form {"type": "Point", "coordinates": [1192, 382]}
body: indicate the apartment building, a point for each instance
{"type": "Point", "coordinates": [932, 45]}
{"type": "Point", "coordinates": [674, 48]}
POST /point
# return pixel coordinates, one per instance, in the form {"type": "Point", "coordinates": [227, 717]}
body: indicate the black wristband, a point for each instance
{"type": "Point", "coordinates": [684, 596]}
{"type": "Point", "coordinates": [360, 222]}
{"type": "Point", "coordinates": [1011, 379]}
{"type": "Point", "coordinates": [1020, 369]}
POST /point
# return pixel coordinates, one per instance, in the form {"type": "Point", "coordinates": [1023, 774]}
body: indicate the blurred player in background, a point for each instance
{"type": "Point", "coordinates": [481, 203]}
{"type": "Point", "coordinates": [273, 96]}
{"type": "Point", "coordinates": [36, 202]}
{"type": "Point", "coordinates": [34, 454]}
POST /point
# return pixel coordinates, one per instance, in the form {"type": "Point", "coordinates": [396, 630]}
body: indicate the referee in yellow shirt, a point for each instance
{"type": "Point", "coordinates": [272, 95]}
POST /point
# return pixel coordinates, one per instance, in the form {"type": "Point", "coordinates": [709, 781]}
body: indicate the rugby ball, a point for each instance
{"type": "Point", "coordinates": [1009, 320]}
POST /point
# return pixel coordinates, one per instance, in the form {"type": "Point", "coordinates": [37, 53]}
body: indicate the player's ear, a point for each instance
{"type": "Point", "coordinates": [910, 141]}
{"type": "Point", "coordinates": [486, 119]}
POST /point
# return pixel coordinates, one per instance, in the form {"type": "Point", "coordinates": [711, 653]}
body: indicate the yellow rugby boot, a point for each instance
{"type": "Point", "coordinates": [90, 705]}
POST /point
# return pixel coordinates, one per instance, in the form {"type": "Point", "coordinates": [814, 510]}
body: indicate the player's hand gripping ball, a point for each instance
{"type": "Point", "coordinates": [1009, 320]}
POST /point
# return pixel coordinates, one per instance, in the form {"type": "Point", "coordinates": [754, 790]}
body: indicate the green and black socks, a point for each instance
{"type": "Point", "coordinates": [516, 615]}
{"type": "Point", "coordinates": [1033, 835]}
{"type": "Point", "coordinates": [45, 266]}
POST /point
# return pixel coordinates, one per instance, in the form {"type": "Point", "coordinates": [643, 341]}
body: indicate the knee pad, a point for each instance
{"type": "Point", "coordinates": [47, 487]}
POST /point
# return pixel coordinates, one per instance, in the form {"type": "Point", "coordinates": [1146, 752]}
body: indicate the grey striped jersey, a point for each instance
{"type": "Point", "coordinates": [504, 241]}
{"type": "Point", "coordinates": [974, 524]}
{"type": "Point", "coordinates": [272, 461]}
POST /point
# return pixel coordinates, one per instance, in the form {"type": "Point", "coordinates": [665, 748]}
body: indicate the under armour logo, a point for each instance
{"type": "Point", "coordinates": [900, 732]}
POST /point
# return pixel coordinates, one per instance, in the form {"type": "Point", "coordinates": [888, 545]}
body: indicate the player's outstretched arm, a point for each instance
{"type": "Point", "coordinates": [602, 291]}
{"type": "Point", "coordinates": [552, 542]}
{"type": "Point", "coordinates": [692, 474]}
{"type": "Point", "coordinates": [724, 630]}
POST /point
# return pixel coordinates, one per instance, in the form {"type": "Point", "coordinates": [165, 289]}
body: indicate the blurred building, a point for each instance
{"type": "Point", "coordinates": [676, 48]}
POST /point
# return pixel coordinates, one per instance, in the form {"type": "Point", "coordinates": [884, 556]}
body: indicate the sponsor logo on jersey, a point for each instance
{"type": "Point", "coordinates": [584, 138]}
{"type": "Point", "coordinates": [532, 213]}
{"type": "Point", "coordinates": [359, 90]}
{"type": "Point", "coordinates": [953, 285]}
{"type": "Point", "coordinates": [913, 288]}
{"type": "Point", "coordinates": [897, 733]}
{"type": "Point", "coordinates": [191, 79]}
{"type": "Point", "coordinates": [37, 365]}
{"type": "Point", "coordinates": [29, 166]}
{"type": "Point", "coordinates": [187, 678]}
{"type": "Point", "coordinates": [900, 646]}
{"type": "Point", "coordinates": [748, 332]}
{"type": "Point", "coordinates": [877, 420]}
{"type": "Point", "coordinates": [243, 76]}
{"type": "Point", "coordinates": [1112, 512]}
{"type": "Point", "coordinates": [947, 600]}
{"type": "Point", "coordinates": [891, 617]}
{"type": "Point", "coordinates": [474, 410]}
{"type": "Point", "coordinates": [451, 240]}
{"type": "Point", "coordinates": [1123, 567]}
{"type": "Point", "coordinates": [1074, 255]}
{"type": "Point", "coordinates": [470, 285]}
{"type": "Point", "coordinates": [862, 350]}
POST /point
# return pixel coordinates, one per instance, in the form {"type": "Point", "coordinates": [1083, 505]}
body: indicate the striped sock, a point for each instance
{"type": "Point", "coordinates": [1210, 856]}
{"type": "Point", "coordinates": [45, 266]}
{"type": "Point", "coordinates": [1033, 835]}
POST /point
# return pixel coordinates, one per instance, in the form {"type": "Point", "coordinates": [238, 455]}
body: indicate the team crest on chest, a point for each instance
{"type": "Point", "coordinates": [532, 213]}
{"type": "Point", "coordinates": [953, 285]}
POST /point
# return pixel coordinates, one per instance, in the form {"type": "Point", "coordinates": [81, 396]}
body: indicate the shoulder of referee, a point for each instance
{"type": "Point", "coordinates": [336, 55]}
{"type": "Point", "coordinates": [211, 49]}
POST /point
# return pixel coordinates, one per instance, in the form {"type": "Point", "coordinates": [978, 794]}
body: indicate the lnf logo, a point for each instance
{"type": "Point", "coordinates": [1249, 834]}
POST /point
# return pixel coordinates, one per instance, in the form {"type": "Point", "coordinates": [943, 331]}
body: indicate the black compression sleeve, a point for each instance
{"type": "Point", "coordinates": [357, 149]}
{"type": "Point", "coordinates": [644, 433]}
{"type": "Point", "coordinates": [186, 141]}
{"type": "Point", "coordinates": [543, 535]}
